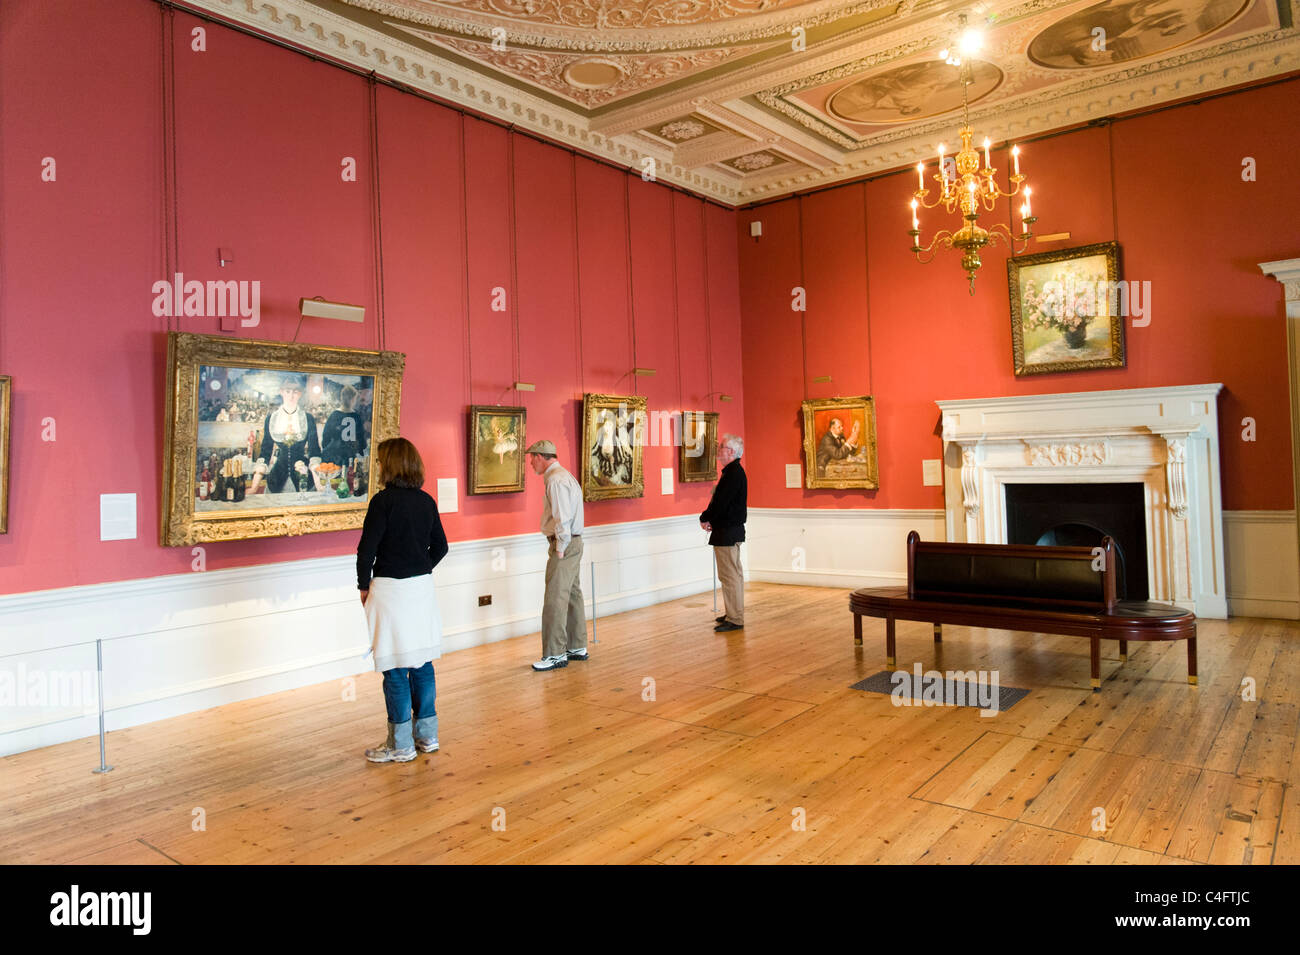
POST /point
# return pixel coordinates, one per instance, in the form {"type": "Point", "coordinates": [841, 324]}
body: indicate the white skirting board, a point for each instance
{"type": "Point", "coordinates": [187, 642]}
{"type": "Point", "coordinates": [867, 547]}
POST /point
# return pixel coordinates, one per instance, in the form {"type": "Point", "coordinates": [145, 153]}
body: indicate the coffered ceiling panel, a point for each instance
{"type": "Point", "coordinates": [741, 100]}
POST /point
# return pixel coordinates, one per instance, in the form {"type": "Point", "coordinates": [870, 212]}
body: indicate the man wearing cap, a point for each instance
{"type": "Point", "coordinates": [564, 622]}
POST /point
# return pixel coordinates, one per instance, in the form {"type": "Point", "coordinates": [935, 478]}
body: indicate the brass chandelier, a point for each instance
{"type": "Point", "coordinates": [969, 188]}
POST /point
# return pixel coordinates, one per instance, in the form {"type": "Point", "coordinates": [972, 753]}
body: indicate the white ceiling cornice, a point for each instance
{"type": "Point", "coordinates": [822, 154]}
{"type": "Point", "coordinates": [313, 28]}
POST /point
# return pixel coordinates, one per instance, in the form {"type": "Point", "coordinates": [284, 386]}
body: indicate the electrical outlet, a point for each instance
{"type": "Point", "coordinates": [485, 600]}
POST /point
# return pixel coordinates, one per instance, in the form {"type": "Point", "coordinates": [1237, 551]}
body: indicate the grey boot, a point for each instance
{"type": "Point", "coordinates": [398, 748]}
{"type": "Point", "coordinates": [426, 734]}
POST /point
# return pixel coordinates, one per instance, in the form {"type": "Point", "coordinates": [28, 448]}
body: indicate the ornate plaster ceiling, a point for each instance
{"type": "Point", "coordinates": [742, 100]}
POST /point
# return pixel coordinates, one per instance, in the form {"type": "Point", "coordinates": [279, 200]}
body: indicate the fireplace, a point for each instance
{"type": "Point", "coordinates": [1152, 452]}
{"type": "Point", "coordinates": [1081, 515]}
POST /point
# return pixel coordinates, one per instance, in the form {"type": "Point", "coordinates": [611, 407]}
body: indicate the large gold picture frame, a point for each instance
{"type": "Point", "coordinates": [697, 455]}
{"type": "Point", "coordinates": [6, 389]}
{"type": "Point", "coordinates": [1066, 310]}
{"type": "Point", "coordinates": [321, 497]}
{"type": "Point", "coordinates": [839, 443]}
{"type": "Point", "coordinates": [496, 449]}
{"type": "Point", "coordinates": [613, 445]}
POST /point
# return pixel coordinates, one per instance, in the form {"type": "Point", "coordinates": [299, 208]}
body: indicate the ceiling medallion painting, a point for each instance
{"type": "Point", "coordinates": [1117, 32]}
{"type": "Point", "coordinates": [914, 91]}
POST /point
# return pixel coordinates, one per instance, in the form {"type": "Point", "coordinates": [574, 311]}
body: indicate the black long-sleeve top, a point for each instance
{"type": "Point", "coordinates": [402, 536]}
{"type": "Point", "coordinates": [727, 510]}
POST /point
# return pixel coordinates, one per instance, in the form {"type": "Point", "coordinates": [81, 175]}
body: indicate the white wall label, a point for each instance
{"type": "Point", "coordinates": [793, 475]}
{"type": "Point", "coordinates": [932, 472]}
{"type": "Point", "coordinates": [666, 480]}
{"type": "Point", "coordinates": [448, 501]}
{"type": "Point", "coordinates": [117, 517]}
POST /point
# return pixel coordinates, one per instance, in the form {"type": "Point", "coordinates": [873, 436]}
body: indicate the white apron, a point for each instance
{"type": "Point", "coordinates": [405, 625]}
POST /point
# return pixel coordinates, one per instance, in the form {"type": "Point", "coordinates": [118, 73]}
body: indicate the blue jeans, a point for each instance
{"type": "Point", "coordinates": [412, 688]}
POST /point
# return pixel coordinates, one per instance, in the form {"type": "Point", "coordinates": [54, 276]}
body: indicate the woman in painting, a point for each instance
{"type": "Point", "coordinates": [343, 437]}
{"type": "Point", "coordinates": [402, 540]}
{"type": "Point", "coordinates": [503, 438]}
{"type": "Point", "coordinates": [290, 446]}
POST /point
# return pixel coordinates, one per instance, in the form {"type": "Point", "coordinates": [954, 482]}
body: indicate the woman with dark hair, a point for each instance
{"type": "Point", "coordinates": [402, 540]}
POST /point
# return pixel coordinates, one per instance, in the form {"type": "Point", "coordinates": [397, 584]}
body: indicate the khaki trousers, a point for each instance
{"type": "Point", "coordinates": [564, 621]}
{"type": "Point", "coordinates": [731, 577]}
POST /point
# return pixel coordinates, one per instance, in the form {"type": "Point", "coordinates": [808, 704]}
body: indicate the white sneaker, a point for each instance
{"type": "Point", "coordinates": [580, 654]}
{"type": "Point", "coordinates": [426, 745]}
{"type": "Point", "coordinates": [551, 663]}
{"type": "Point", "coordinates": [385, 754]}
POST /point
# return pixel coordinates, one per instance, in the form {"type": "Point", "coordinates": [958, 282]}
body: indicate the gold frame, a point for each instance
{"type": "Point", "coordinates": [497, 410]}
{"type": "Point", "coordinates": [810, 407]}
{"type": "Point", "coordinates": [710, 470]}
{"type": "Point", "coordinates": [637, 405]}
{"type": "Point", "coordinates": [6, 394]}
{"type": "Point", "coordinates": [1118, 346]}
{"type": "Point", "coordinates": [185, 353]}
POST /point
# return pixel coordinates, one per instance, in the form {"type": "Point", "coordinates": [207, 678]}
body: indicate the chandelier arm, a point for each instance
{"type": "Point", "coordinates": [922, 204]}
{"type": "Point", "coordinates": [944, 238]}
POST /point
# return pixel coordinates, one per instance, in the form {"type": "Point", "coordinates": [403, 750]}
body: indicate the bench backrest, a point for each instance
{"type": "Point", "coordinates": [1072, 576]}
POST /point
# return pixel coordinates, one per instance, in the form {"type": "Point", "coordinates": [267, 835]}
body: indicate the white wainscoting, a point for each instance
{"type": "Point", "coordinates": [187, 642]}
{"type": "Point", "coordinates": [1263, 564]}
{"type": "Point", "coordinates": [840, 547]}
{"type": "Point", "coordinates": [864, 547]}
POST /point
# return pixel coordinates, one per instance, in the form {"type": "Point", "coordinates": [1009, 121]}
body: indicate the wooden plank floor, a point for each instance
{"type": "Point", "coordinates": [746, 735]}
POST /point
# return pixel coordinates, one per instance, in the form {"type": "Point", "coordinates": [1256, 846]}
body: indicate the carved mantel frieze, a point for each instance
{"type": "Point", "coordinates": [1072, 454]}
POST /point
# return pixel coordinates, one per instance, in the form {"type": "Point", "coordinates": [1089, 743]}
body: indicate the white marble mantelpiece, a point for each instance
{"type": "Point", "coordinates": [1166, 439]}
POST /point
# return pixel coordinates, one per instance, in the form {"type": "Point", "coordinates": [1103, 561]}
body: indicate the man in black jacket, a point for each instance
{"type": "Point", "coordinates": [724, 519]}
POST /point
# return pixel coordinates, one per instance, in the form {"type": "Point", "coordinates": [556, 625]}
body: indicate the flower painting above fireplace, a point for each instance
{"type": "Point", "coordinates": [1067, 310]}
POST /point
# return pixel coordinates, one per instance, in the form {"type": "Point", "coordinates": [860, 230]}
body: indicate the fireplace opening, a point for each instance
{"type": "Point", "coordinates": [1080, 515]}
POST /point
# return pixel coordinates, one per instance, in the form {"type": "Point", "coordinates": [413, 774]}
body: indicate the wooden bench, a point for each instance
{"type": "Point", "coordinates": [1068, 590]}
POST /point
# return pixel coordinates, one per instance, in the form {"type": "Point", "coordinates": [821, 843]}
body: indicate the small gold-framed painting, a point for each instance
{"type": "Point", "coordinates": [697, 454]}
{"type": "Point", "coordinates": [839, 443]}
{"type": "Point", "coordinates": [1067, 310]}
{"type": "Point", "coordinates": [496, 449]}
{"type": "Point", "coordinates": [6, 389]}
{"type": "Point", "coordinates": [613, 442]}
{"type": "Point", "coordinates": [272, 439]}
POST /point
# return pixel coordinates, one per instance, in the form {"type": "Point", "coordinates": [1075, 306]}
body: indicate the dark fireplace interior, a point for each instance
{"type": "Point", "coordinates": [1080, 515]}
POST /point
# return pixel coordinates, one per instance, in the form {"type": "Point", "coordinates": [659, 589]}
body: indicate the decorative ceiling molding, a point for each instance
{"type": "Point", "coordinates": [1052, 110]}
{"type": "Point", "coordinates": [313, 28]}
{"type": "Point", "coordinates": [569, 86]}
{"type": "Point", "coordinates": [647, 25]}
{"type": "Point", "coordinates": [628, 73]}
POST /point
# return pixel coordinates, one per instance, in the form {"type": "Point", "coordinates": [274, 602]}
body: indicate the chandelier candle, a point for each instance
{"type": "Point", "coordinates": [973, 190]}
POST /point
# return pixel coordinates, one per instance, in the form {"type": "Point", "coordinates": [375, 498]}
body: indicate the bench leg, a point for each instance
{"type": "Point", "coordinates": [938, 633]}
{"type": "Point", "coordinates": [1123, 651]}
{"type": "Point", "coordinates": [890, 652]}
{"type": "Point", "coordinates": [1096, 664]}
{"type": "Point", "coordinates": [1191, 660]}
{"type": "Point", "coordinates": [857, 629]}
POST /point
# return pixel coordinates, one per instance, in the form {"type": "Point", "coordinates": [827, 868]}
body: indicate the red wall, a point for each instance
{"type": "Point", "coordinates": [910, 334]}
{"type": "Point", "coordinates": [258, 139]}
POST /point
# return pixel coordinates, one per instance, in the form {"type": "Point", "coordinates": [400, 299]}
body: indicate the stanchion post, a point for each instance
{"type": "Point", "coordinates": [593, 603]}
{"type": "Point", "coordinates": [99, 667]}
